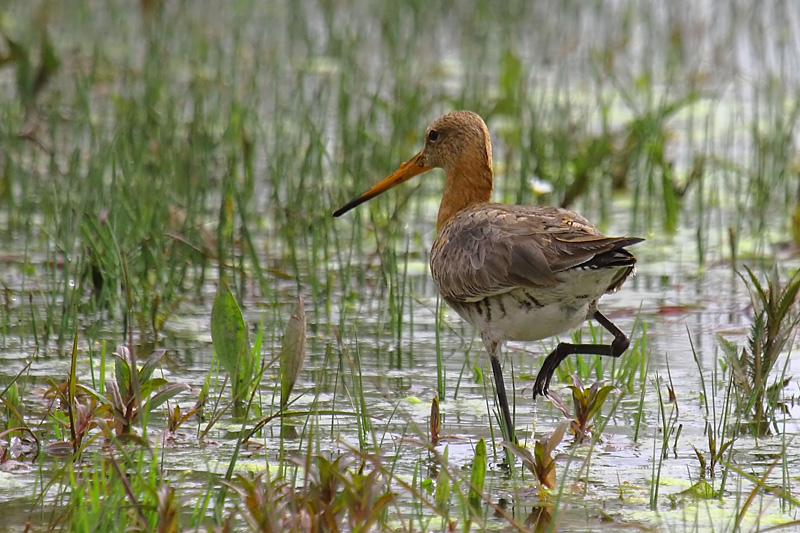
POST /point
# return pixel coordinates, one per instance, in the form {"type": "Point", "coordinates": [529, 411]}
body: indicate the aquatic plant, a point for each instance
{"type": "Point", "coordinates": [231, 339]}
{"type": "Point", "coordinates": [775, 320]}
{"type": "Point", "coordinates": [477, 478]}
{"type": "Point", "coordinates": [293, 351]}
{"type": "Point", "coordinates": [148, 146]}
{"type": "Point", "coordinates": [586, 402]}
{"type": "Point", "coordinates": [716, 453]}
{"type": "Point", "coordinates": [542, 463]}
{"type": "Point", "coordinates": [435, 422]}
{"type": "Point", "coordinates": [136, 391]}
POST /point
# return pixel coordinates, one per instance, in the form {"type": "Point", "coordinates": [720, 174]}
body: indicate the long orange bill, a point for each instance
{"type": "Point", "coordinates": [406, 171]}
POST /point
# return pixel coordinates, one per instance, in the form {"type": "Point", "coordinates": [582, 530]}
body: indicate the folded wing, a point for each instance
{"type": "Point", "coordinates": [494, 249]}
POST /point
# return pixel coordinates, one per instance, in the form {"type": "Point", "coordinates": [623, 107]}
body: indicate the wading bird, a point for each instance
{"type": "Point", "coordinates": [513, 272]}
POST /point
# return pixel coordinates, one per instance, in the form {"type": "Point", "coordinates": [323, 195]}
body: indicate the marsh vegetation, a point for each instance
{"type": "Point", "coordinates": [189, 340]}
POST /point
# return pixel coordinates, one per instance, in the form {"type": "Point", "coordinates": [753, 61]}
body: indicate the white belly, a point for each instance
{"type": "Point", "coordinates": [534, 314]}
{"type": "Point", "coordinates": [503, 318]}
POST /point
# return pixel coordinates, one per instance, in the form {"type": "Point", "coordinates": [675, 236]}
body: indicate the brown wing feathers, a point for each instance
{"type": "Point", "coordinates": [490, 251]}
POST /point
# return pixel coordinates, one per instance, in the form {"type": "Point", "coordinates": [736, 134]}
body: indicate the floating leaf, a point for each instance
{"type": "Point", "coordinates": [702, 490]}
{"type": "Point", "coordinates": [231, 339]}
{"type": "Point", "coordinates": [293, 351]}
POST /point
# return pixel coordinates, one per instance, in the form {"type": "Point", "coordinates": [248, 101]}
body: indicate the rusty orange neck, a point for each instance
{"type": "Point", "coordinates": [467, 184]}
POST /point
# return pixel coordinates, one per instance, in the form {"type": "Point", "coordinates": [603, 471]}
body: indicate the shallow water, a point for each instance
{"type": "Point", "coordinates": [683, 311]}
{"type": "Point", "coordinates": [686, 292]}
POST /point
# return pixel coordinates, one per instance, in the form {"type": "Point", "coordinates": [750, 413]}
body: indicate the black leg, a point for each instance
{"type": "Point", "coordinates": [508, 432]}
{"type": "Point", "coordinates": [564, 350]}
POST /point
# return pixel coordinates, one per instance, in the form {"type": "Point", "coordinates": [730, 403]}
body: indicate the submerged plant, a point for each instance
{"type": "Point", "coordinates": [587, 401]}
{"type": "Point", "coordinates": [774, 324]}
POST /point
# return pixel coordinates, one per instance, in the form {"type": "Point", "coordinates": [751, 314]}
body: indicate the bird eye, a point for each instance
{"type": "Point", "coordinates": [433, 135]}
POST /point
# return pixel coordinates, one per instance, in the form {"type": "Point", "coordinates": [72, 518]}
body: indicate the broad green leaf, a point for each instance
{"type": "Point", "coordinates": [477, 477]}
{"type": "Point", "coordinates": [151, 364]}
{"type": "Point", "coordinates": [165, 394]}
{"type": "Point", "coordinates": [293, 351]}
{"type": "Point", "coordinates": [151, 385]}
{"type": "Point", "coordinates": [100, 398]}
{"type": "Point", "coordinates": [598, 400]}
{"type": "Point", "coordinates": [122, 372]}
{"type": "Point", "coordinates": [522, 454]}
{"type": "Point", "coordinates": [556, 437]}
{"type": "Point", "coordinates": [231, 339]}
{"type": "Point", "coordinates": [443, 484]}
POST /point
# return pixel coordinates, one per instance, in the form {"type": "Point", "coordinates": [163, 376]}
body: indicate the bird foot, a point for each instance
{"type": "Point", "coordinates": [542, 385]}
{"type": "Point", "coordinates": [551, 362]}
